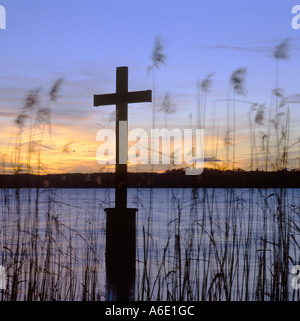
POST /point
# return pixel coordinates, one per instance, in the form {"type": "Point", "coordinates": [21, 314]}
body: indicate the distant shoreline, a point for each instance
{"type": "Point", "coordinates": [171, 179]}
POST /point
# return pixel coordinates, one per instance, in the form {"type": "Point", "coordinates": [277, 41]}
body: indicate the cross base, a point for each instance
{"type": "Point", "coordinates": [121, 252]}
{"type": "Point", "coordinates": [120, 231]}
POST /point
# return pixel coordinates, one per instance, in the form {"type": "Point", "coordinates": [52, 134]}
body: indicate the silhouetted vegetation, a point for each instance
{"type": "Point", "coordinates": [169, 179]}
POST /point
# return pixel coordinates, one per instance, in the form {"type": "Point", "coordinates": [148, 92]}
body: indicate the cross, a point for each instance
{"type": "Point", "coordinates": [121, 99]}
{"type": "Point", "coordinates": [121, 221]}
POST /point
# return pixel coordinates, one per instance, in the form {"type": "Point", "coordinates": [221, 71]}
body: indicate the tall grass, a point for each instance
{"type": "Point", "coordinates": [242, 249]}
{"type": "Point", "coordinates": [216, 244]}
{"type": "Point", "coordinates": [237, 80]}
{"type": "Point", "coordinates": [50, 255]}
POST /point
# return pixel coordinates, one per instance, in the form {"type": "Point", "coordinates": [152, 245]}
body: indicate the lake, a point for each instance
{"type": "Point", "coordinates": [192, 244]}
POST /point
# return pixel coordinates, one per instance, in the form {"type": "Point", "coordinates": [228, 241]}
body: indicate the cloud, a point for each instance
{"type": "Point", "coordinates": [265, 49]}
{"type": "Point", "coordinates": [7, 114]}
{"type": "Point", "coordinates": [255, 49]}
{"type": "Point", "coordinates": [212, 159]}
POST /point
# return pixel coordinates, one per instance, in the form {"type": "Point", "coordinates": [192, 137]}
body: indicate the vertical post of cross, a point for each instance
{"type": "Point", "coordinates": [121, 115]}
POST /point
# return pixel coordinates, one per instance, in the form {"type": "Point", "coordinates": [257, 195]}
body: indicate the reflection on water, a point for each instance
{"type": "Point", "coordinates": [212, 244]}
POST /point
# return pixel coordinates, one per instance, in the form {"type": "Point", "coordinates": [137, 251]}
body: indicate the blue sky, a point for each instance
{"type": "Point", "coordinates": [84, 41]}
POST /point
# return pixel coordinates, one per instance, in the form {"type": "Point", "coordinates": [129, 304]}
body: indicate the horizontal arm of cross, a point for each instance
{"type": "Point", "coordinates": [119, 98]}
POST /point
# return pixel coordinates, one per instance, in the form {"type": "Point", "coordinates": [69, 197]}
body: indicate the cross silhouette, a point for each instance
{"type": "Point", "coordinates": [121, 221]}
{"type": "Point", "coordinates": [121, 99]}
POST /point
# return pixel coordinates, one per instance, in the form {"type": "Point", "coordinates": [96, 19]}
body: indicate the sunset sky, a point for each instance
{"type": "Point", "coordinates": [84, 42]}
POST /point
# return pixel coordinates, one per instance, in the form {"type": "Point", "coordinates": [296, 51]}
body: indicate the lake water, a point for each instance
{"type": "Point", "coordinates": [205, 244]}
